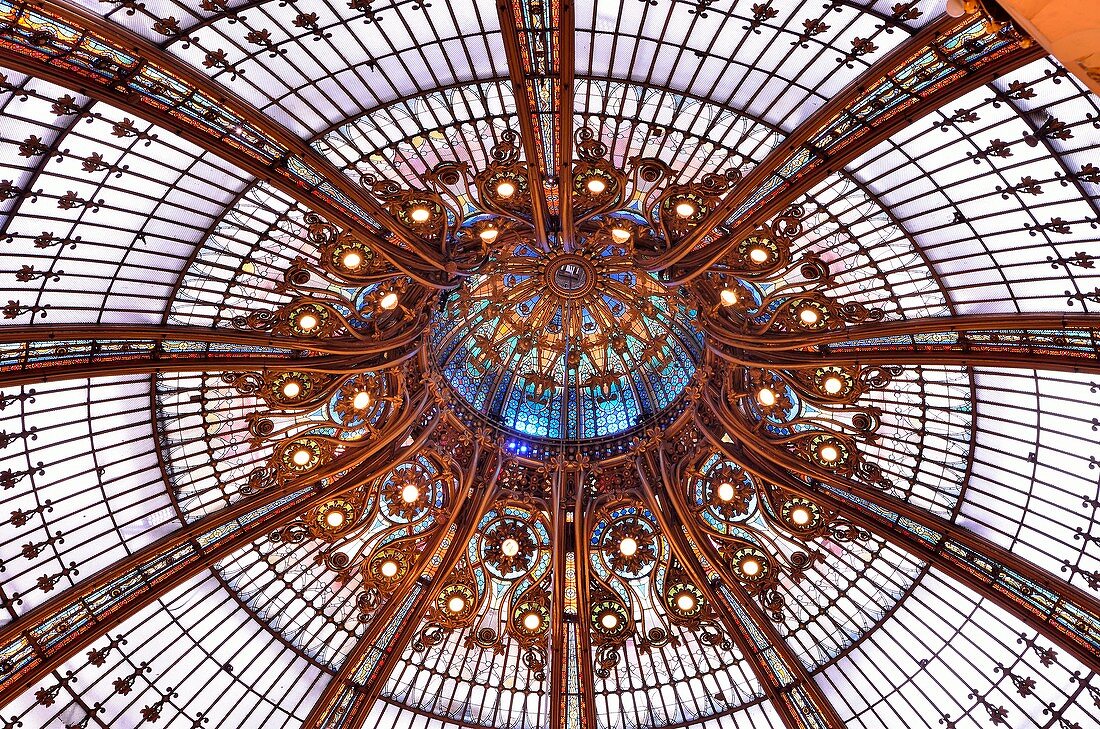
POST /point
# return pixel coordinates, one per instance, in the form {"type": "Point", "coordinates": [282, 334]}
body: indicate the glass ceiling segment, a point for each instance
{"type": "Point", "coordinates": [1001, 198]}
{"type": "Point", "coordinates": [313, 65]}
{"type": "Point", "coordinates": [82, 485]}
{"type": "Point", "coordinates": [1033, 486]}
{"type": "Point", "coordinates": [403, 140]}
{"type": "Point", "coordinates": [775, 61]}
{"type": "Point", "coordinates": [223, 669]}
{"type": "Point", "coordinates": [948, 656]}
{"type": "Point", "coordinates": [102, 211]}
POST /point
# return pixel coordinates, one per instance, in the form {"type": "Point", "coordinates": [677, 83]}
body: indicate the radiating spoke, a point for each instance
{"type": "Point", "coordinates": [790, 688]}
{"type": "Point", "coordinates": [1062, 612]}
{"type": "Point", "coordinates": [86, 53]}
{"type": "Point", "coordinates": [1060, 342]}
{"type": "Point", "coordinates": [349, 696]}
{"type": "Point", "coordinates": [944, 61]}
{"type": "Point", "coordinates": [530, 32]}
{"type": "Point", "coordinates": [46, 636]}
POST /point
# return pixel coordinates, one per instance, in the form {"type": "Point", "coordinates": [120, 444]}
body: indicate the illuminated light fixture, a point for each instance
{"type": "Point", "coordinates": [685, 601]}
{"type": "Point", "coordinates": [361, 401]}
{"type": "Point", "coordinates": [610, 621]}
{"type": "Point", "coordinates": [489, 234]}
{"type": "Point", "coordinates": [420, 214]}
{"type": "Point", "coordinates": [620, 234]}
{"type": "Point", "coordinates": [832, 385]}
{"type": "Point", "coordinates": [758, 255]}
{"type": "Point", "coordinates": [352, 259]}
{"type": "Point", "coordinates": [302, 457]}
{"type": "Point", "coordinates": [628, 547]}
{"type": "Point", "coordinates": [506, 188]}
{"type": "Point", "coordinates": [596, 185]}
{"type": "Point", "coordinates": [685, 209]}
{"type": "Point", "coordinates": [335, 518]}
{"type": "Point", "coordinates": [828, 452]}
{"type": "Point", "coordinates": [809, 316]}
{"type": "Point", "coordinates": [725, 491]}
{"type": "Point", "coordinates": [766, 397]}
{"type": "Point", "coordinates": [751, 567]}
{"type": "Point", "coordinates": [509, 547]}
{"type": "Point", "coordinates": [308, 322]}
{"type": "Point", "coordinates": [389, 301]}
{"type": "Point", "coordinates": [456, 604]}
{"type": "Point", "coordinates": [388, 568]}
{"type": "Point", "coordinates": [800, 516]}
{"type": "Point", "coordinates": [410, 493]}
{"type": "Point", "coordinates": [292, 389]}
{"type": "Point", "coordinates": [728, 297]}
{"type": "Point", "coordinates": [532, 621]}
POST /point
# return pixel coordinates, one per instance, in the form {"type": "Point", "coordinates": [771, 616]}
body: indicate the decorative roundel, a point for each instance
{"type": "Point", "coordinates": [388, 567]}
{"type": "Point", "coordinates": [684, 600]}
{"type": "Point", "coordinates": [801, 515]}
{"type": "Point", "coordinates": [609, 618]}
{"type": "Point", "coordinates": [509, 547]}
{"type": "Point", "coordinates": [751, 564]}
{"type": "Point", "coordinates": [302, 455]}
{"type": "Point", "coordinates": [456, 602]}
{"type": "Point", "coordinates": [531, 618]}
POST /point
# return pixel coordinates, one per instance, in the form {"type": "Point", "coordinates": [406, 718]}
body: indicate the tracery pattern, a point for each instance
{"type": "Point", "coordinates": [714, 529]}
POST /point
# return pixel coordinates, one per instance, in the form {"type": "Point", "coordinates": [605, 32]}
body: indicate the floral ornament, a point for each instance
{"type": "Point", "coordinates": [509, 546]}
{"type": "Point", "coordinates": [407, 493]}
{"type": "Point", "coordinates": [629, 547]}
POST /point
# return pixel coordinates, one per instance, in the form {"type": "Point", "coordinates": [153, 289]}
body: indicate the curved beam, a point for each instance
{"type": "Point", "coordinates": [42, 639]}
{"type": "Point", "coordinates": [1058, 342]}
{"type": "Point", "coordinates": [792, 692]}
{"type": "Point", "coordinates": [350, 695]}
{"type": "Point", "coordinates": [103, 60]}
{"type": "Point", "coordinates": [567, 66]}
{"type": "Point", "coordinates": [947, 59]}
{"type": "Point", "coordinates": [1062, 612]}
{"type": "Point", "coordinates": [532, 64]}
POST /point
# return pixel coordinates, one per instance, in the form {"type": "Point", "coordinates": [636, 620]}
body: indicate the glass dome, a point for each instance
{"type": "Point", "coordinates": [566, 346]}
{"type": "Point", "coordinates": [681, 364]}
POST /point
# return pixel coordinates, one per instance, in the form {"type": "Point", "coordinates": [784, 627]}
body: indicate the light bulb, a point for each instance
{"type": "Point", "coordinates": [620, 235]}
{"type": "Point", "coordinates": [506, 189]}
{"type": "Point", "coordinates": [420, 214]}
{"type": "Point", "coordinates": [833, 384]}
{"type": "Point", "coordinates": [352, 259]}
{"type": "Point", "coordinates": [685, 209]}
{"type": "Point", "coordinates": [828, 453]}
{"type": "Point", "coordinates": [361, 401]}
{"type": "Point", "coordinates": [388, 568]}
{"type": "Point", "coordinates": [800, 516]}
{"type": "Point", "coordinates": [410, 493]}
{"type": "Point", "coordinates": [596, 186]}
{"type": "Point", "coordinates": [809, 316]}
{"type": "Point", "coordinates": [685, 601]}
{"type": "Point", "coordinates": [291, 389]}
{"type": "Point", "coordinates": [750, 567]}
{"type": "Point", "coordinates": [306, 322]}
{"type": "Point", "coordinates": [728, 297]}
{"type": "Point", "coordinates": [389, 301]}
{"type": "Point", "coordinates": [335, 518]}
{"type": "Point", "coordinates": [628, 547]}
{"type": "Point", "coordinates": [456, 604]}
{"type": "Point", "coordinates": [532, 621]}
{"type": "Point", "coordinates": [610, 621]}
{"type": "Point", "coordinates": [725, 491]}
{"type": "Point", "coordinates": [509, 547]}
{"type": "Point", "coordinates": [302, 457]}
{"type": "Point", "coordinates": [766, 396]}
{"type": "Point", "coordinates": [758, 255]}
{"type": "Point", "coordinates": [489, 234]}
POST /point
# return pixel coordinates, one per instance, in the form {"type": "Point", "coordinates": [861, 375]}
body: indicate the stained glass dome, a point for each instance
{"type": "Point", "coordinates": [678, 364]}
{"type": "Point", "coordinates": [570, 346]}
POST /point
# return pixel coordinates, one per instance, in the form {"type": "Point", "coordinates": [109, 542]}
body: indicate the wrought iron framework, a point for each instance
{"type": "Point", "coordinates": [497, 405]}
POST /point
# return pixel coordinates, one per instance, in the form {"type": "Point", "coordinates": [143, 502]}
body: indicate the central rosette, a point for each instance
{"type": "Point", "coordinates": [566, 345]}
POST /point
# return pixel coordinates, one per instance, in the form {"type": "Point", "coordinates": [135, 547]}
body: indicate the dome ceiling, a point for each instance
{"type": "Point", "coordinates": [737, 371]}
